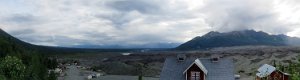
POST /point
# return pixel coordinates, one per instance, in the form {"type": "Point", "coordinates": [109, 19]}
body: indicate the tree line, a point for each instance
{"type": "Point", "coordinates": [20, 61]}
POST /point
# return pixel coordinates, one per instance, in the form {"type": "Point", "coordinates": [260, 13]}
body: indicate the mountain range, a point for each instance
{"type": "Point", "coordinates": [210, 40]}
{"type": "Point", "coordinates": [215, 39]}
{"type": "Point", "coordinates": [129, 46]}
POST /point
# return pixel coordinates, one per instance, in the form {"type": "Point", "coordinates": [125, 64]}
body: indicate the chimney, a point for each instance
{"type": "Point", "coordinates": [215, 58]}
{"type": "Point", "coordinates": [181, 57]}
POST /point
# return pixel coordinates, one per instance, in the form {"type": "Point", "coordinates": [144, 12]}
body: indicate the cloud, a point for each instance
{"type": "Point", "coordinates": [230, 15]}
{"type": "Point", "coordinates": [22, 32]}
{"type": "Point", "coordinates": [132, 22]}
{"type": "Point", "coordinates": [18, 18]}
{"type": "Point", "coordinates": [143, 6]}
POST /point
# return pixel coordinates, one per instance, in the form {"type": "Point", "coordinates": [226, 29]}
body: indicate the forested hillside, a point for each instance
{"type": "Point", "coordinates": [22, 61]}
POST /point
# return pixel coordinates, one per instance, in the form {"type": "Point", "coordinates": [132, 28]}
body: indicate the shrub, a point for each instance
{"type": "Point", "coordinates": [12, 68]}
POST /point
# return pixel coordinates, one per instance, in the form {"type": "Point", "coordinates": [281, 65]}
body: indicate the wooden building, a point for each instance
{"type": "Point", "coordinates": [268, 72]}
{"type": "Point", "coordinates": [187, 68]}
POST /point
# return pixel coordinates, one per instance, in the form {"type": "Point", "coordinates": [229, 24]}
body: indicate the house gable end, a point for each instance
{"type": "Point", "coordinates": [194, 68]}
{"type": "Point", "coordinates": [199, 65]}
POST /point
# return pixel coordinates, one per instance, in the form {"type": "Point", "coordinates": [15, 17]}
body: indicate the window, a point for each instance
{"type": "Point", "coordinates": [215, 59]}
{"type": "Point", "coordinates": [181, 59]}
{"type": "Point", "coordinates": [195, 75]}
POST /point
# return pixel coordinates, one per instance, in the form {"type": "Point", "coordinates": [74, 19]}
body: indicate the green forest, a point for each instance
{"type": "Point", "coordinates": [19, 61]}
{"type": "Point", "coordinates": [293, 69]}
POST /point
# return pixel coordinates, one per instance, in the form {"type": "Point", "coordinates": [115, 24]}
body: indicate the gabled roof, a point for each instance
{"type": "Point", "coordinates": [265, 70]}
{"type": "Point", "coordinates": [222, 70]}
{"type": "Point", "coordinates": [199, 64]}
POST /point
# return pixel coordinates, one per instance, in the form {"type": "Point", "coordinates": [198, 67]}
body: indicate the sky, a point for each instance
{"type": "Point", "coordinates": [139, 22]}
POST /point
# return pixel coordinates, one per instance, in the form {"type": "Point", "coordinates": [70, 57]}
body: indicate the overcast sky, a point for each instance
{"type": "Point", "coordinates": [108, 22]}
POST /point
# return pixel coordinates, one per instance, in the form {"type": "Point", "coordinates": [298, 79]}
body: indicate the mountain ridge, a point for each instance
{"type": "Point", "coordinates": [215, 39]}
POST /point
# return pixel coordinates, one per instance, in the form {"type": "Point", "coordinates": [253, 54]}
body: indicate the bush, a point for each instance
{"type": "Point", "coordinates": [2, 77]}
{"type": "Point", "coordinates": [12, 68]}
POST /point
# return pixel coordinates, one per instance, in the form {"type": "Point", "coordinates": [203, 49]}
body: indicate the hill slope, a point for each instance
{"type": "Point", "coordinates": [10, 44]}
{"type": "Point", "coordinates": [237, 38]}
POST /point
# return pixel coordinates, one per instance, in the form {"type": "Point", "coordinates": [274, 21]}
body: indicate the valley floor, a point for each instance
{"type": "Point", "coordinates": [74, 73]}
{"type": "Point", "coordinates": [246, 59]}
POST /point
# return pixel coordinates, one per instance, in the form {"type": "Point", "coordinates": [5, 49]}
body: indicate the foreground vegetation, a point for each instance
{"type": "Point", "coordinates": [33, 67]}
{"type": "Point", "coordinates": [293, 69]}
{"type": "Point", "coordinates": [26, 67]}
{"type": "Point", "coordinates": [19, 61]}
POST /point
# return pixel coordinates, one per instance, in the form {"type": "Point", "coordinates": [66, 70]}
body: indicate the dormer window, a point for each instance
{"type": "Point", "coordinates": [181, 57]}
{"type": "Point", "coordinates": [215, 58]}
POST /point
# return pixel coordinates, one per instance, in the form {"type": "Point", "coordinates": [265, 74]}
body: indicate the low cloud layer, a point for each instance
{"type": "Point", "coordinates": [134, 22]}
